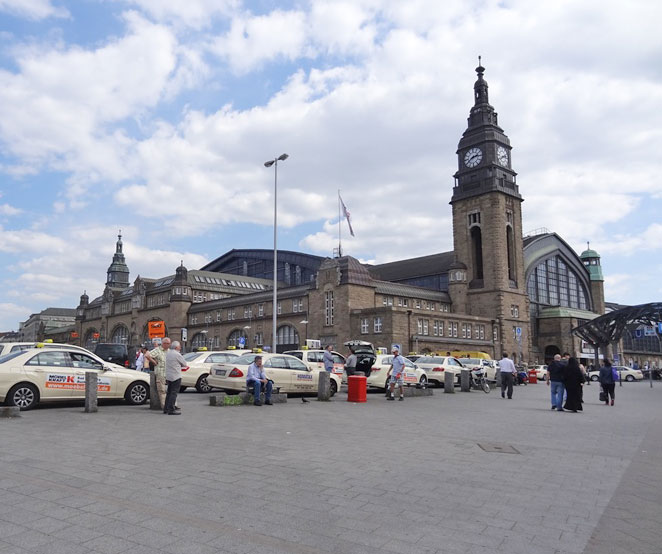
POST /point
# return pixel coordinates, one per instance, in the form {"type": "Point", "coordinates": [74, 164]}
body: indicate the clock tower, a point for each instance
{"type": "Point", "coordinates": [487, 227]}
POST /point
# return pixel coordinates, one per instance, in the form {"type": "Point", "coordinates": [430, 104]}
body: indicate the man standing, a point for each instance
{"type": "Point", "coordinates": [508, 372]}
{"type": "Point", "coordinates": [397, 373]}
{"type": "Point", "coordinates": [555, 382]}
{"type": "Point", "coordinates": [174, 364]}
{"type": "Point", "coordinates": [350, 364]}
{"type": "Point", "coordinates": [328, 358]}
{"type": "Point", "coordinates": [258, 379]}
{"type": "Point", "coordinates": [158, 358]}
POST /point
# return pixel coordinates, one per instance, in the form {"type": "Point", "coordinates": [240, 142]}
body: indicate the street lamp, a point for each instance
{"type": "Point", "coordinates": [305, 321]}
{"type": "Point", "coordinates": [269, 163]}
{"type": "Point", "coordinates": [246, 327]}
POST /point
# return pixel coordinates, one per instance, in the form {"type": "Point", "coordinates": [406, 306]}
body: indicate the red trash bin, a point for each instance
{"type": "Point", "coordinates": [533, 377]}
{"type": "Point", "coordinates": [357, 387]}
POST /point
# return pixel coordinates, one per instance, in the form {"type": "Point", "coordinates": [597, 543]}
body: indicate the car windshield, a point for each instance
{"type": "Point", "coordinates": [246, 359]}
{"type": "Point", "coordinates": [189, 357]}
{"type": "Point", "coordinates": [10, 356]}
{"type": "Point", "coordinates": [430, 360]}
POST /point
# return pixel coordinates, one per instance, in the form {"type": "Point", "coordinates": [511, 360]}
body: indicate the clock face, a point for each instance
{"type": "Point", "coordinates": [502, 155]}
{"type": "Point", "coordinates": [473, 157]}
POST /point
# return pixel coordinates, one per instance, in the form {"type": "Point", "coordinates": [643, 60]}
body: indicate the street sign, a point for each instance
{"type": "Point", "coordinates": [638, 333]}
{"type": "Point", "coordinates": [184, 334]}
{"type": "Point", "coordinates": [649, 331]}
{"type": "Point", "coordinates": [518, 331]}
{"type": "Point", "coordinates": [241, 342]}
{"type": "Point", "coordinates": [659, 327]}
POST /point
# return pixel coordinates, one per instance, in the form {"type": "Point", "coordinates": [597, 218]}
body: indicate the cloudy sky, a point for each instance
{"type": "Point", "coordinates": [156, 116]}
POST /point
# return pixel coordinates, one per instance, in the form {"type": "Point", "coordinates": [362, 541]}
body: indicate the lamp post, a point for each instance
{"type": "Point", "coordinates": [305, 321]}
{"type": "Point", "coordinates": [246, 327]}
{"type": "Point", "coordinates": [269, 163]}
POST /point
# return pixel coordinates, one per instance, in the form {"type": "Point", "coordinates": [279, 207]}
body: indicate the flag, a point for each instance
{"type": "Point", "coordinates": [347, 215]}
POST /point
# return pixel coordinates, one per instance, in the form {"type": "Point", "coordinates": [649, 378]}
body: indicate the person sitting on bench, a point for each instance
{"type": "Point", "coordinates": [258, 379]}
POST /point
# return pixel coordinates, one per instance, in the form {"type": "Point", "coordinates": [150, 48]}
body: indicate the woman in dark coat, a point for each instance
{"type": "Point", "coordinates": [573, 380]}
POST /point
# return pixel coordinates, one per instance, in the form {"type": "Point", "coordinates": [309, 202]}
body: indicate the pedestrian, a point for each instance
{"type": "Point", "coordinates": [174, 364]}
{"type": "Point", "coordinates": [328, 358]}
{"type": "Point", "coordinates": [508, 373]}
{"type": "Point", "coordinates": [573, 380]}
{"type": "Point", "coordinates": [608, 381]}
{"type": "Point", "coordinates": [350, 364]}
{"type": "Point", "coordinates": [140, 359]}
{"type": "Point", "coordinates": [397, 373]}
{"type": "Point", "coordinates": [555, 382]}
{"type": "Point", "coordinates": [157, 356]}
{"type": "Point", "coordinates": [258, 379]}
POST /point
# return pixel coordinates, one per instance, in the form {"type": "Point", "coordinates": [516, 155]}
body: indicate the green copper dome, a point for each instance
{"type": "Point", "coordinates": [591, 260]}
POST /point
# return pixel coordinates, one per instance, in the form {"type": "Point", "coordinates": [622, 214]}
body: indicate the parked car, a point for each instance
{"type": "Point", "coordinates": [114, 353]}
{"type": "Point", "coordinates": [381, 372]}
{"type": "Point", "coordinates": [199, 366]}
{"type": "Point", "coordinates": [624, 374]}
{"type": "Point", "coordinates": [288, 373]}
{"type": "Point", "coordinates": [7, 347]}
{"type": "Point", "coordinates": [436, 367]}
{"type": "Point", "coordinates": [541, 371]}
{"type": "Point", "coordinates": [315, 359]}
{"type": "Point", "coordinates": [28, 377]}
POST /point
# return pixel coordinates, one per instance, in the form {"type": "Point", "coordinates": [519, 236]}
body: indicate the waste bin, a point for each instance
{"type": "Point", "coordinates": [357, 386]}
{"type": "Point", "coordinates": [533, 377]}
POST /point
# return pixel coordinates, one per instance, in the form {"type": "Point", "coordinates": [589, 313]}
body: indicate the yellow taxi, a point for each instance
{"type": "Point", "coordinates": [289, 374]}
{"type": "Point", "coordinates": [28, 377]}
{"type": "Point", "coordinates": [199, 366]}
{"type": "Point", "coordinates": [315, 359]}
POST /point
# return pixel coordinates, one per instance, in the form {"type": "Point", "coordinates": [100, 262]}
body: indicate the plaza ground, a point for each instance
{"type": "Point", "coordinates": [462, 473]}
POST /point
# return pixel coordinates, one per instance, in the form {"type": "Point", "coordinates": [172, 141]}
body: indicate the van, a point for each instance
{"type": "Point", "coordinates": [114, 353]}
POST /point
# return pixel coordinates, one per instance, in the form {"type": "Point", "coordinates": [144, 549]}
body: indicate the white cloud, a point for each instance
{"type": "Point", "coordinates": [6, 209]}
{"type": "Point", "coordinates": [192, 13]}
{"type": "Point", "coordinates": [33, 9]}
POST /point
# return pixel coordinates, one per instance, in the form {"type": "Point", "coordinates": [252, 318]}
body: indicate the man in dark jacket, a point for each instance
{"type": "Point", "coordinates": [555, 382]}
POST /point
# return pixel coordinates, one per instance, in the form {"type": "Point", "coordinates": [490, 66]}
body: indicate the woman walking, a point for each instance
{"type": "Point", "coordinates": [607, 382]}
{"type": "Point", "coordinates": [573, 379]}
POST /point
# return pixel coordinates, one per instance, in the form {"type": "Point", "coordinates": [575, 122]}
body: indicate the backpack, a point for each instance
{"type": "Point", "coordinates": [614, 374]}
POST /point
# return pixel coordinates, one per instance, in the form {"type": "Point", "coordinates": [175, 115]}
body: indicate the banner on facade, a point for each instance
{"type": "Point", "coordinates": [74, 335]}
{"type": "Point", "coordinates": [156, 329]}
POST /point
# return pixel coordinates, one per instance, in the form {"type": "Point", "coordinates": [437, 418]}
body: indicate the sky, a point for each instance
{"type": "Point", "coordinates": [156, 117]}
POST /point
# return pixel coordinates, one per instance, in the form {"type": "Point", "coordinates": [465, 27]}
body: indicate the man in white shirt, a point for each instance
{"type": "Point", "coordinates": [508, 372]}
{"type": "Point", "coordinates": [173, 374]}
{"type": "Point", "coordinates": [397, 373]}
{"type": "Point", "coordinates": [258, 378]}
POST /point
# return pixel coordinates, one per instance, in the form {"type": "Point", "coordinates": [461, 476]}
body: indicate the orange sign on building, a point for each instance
{"type": "Point", "coordinates": [156, 329]}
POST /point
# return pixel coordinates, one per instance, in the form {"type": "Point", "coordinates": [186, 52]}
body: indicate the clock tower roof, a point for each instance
{"type": "Point", "coordinates": [484, 161]}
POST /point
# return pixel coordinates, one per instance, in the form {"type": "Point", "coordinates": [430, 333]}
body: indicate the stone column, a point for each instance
{"type": "Point", "coordinates": [154, 400]}
{"type": "Point", "coordinates": [465, 380]}
{"type": "Point", "coordinates": [324, 386]}
{"type": "Point", "coordinates": [91, 388]}
{"type": "Point", "coordinates": [449, 382]}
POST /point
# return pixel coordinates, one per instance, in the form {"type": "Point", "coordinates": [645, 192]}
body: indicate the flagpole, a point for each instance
{"type": "Point", "coordinates": [339, 227]}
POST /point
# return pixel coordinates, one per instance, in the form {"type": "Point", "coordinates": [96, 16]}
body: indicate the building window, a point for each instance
{"type": "Point", "coordinates": [480, 332]}
{"type": "Point", "coordinates": [418, 303]}
{"type": "Point", "coordinates": [426, 328]}
{"type": "Point", "coordinates": [365, 324]}
{"type": "Point", "coordinates": [469, 330]}
{"type": "Point", "coordinates": [405, 302]}
{"type": "Point", "coordinates": [279, 308]}
{"type": "Point", "coordinates": [232, 314]}
{"type": "Point", "coordinates": [464, 330]}
{"type": "Point", "coordinates": [218, 315]}
{"type": "Point", "coordinates": [514, 310]}
{"type": "Point", "coordinates": [387, 300]}
{"type": "Point", "coordinates": [474, 219]}
{"type": "Point", "coordinates": [287, 335]}
{"type": "Point", "coordinates": [452, 329]}
{"type": "Point", "coordinates": [435, 328]}
{"type": "Point", "coordinates": [495, 333]}
{"type": "Point", "coordinates": [378, 325]}
{"type": "Point", "coordinates": [260, 310]}
{"type": "Point", "coordinates": [399, 301]}
{"type": "Point", "coordinates": [441, 328]}
{"type": "Point", "coordinates": [328, 307]}
{"type": "Point", "coordinates": [245, 313]}
{"type": "Point", "coordinates": [420, 326]}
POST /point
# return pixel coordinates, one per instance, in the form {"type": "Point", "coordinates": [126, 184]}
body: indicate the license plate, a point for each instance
{"type": "Point", "coordinates": [220, 372]}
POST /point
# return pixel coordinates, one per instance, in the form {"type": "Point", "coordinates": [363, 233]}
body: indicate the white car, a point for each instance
{"type": "Point", "coordinates": [28, 377]}
{"type": "Point", "coordinates": [199, 366]}
{"type": "Point", "coordinates": [315, 359]}
{"type": "Point", "coordinates": [624, 373]}
{"type": "Point", "coordinates": [8, 347]}
{"type": "Point", "coordinates": [381, 371]}
{"type": "Point", "coordinates": [289, 374]}
{"type": "Point", "coordinates": [437, 366]}
{"type": "Point", "coordinates": [541, 371]}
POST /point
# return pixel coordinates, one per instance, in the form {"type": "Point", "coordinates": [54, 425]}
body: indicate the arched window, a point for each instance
{"type": "Point", "coordinates": [553, 283]}
{"type": "Point", "coordinates": [287, 334]}
{"type": "Point", "coordinates": [510, 244]}
{"type": "Point", "coordinates": [477, 251]}
{"type": "Point", "coordinates": [199, 340]}
{"type": "Point", "coordinates": [120, 335]}
{"type": "Point", "coordinates": [235, 338]}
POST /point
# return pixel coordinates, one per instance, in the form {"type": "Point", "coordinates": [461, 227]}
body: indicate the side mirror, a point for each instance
{"type": "Point", "coordinates": [308, 369]}
{"type": "Point", "coordinates": [106, 368]}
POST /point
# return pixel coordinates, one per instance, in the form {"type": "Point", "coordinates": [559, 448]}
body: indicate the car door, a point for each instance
{"type": "Point", "coordinates": [303, 378]}
{"type": "Point", "coordinates": [107, 381]}
{"type": "Point", "coordinates": [52, 373]}
{"type": "Point", "coordinates": [410, 375]}
{"type": "Point", "coordinates": [277, 369]}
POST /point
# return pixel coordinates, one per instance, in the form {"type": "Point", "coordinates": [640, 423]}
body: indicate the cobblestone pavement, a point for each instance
{"type": "Point", "coordinates": [314, 478]}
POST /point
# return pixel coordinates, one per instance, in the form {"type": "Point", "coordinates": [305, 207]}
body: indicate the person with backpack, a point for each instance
{"type": "Point", "coordinates": [608, 378]}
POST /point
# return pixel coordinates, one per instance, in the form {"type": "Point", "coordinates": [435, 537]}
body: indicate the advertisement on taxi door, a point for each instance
{"type": "Point", "coordinates": [74, 382]}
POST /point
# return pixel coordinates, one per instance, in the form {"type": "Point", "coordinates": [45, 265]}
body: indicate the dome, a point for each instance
{"type": "Point", "coordinates": [589, 253]}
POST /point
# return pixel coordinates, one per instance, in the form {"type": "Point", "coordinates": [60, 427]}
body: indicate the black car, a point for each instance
{"type": "Point", "coordinates": [365, 355]}
{"type": "Point", "coordinates": [114, 353]}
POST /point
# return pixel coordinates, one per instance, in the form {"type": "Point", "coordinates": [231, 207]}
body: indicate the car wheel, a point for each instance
{"type": "Point", "coordinates": [629, 378]}
{"type": "Point", "coordinates": [182, 389]}
{"type": "Point", "coordinates": [25, 396]}
{"type": "Point", "coordinates": [594, 377]}
{"type": "Point", "coordinates": [333, 388]}
{"type": "Point", "coordinates": [423, 383]}
{"type": "Point", "coordinates": [137, 393]}
{"type": "Point", "coordinates": [201, 386]}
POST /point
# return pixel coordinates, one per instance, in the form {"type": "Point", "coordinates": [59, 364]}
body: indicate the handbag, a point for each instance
{"type": "Point", "coordinates": [603, 396]}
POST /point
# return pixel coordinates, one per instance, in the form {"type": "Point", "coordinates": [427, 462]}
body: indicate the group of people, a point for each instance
{"type": "Point", "coordinates": [168, 362]}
